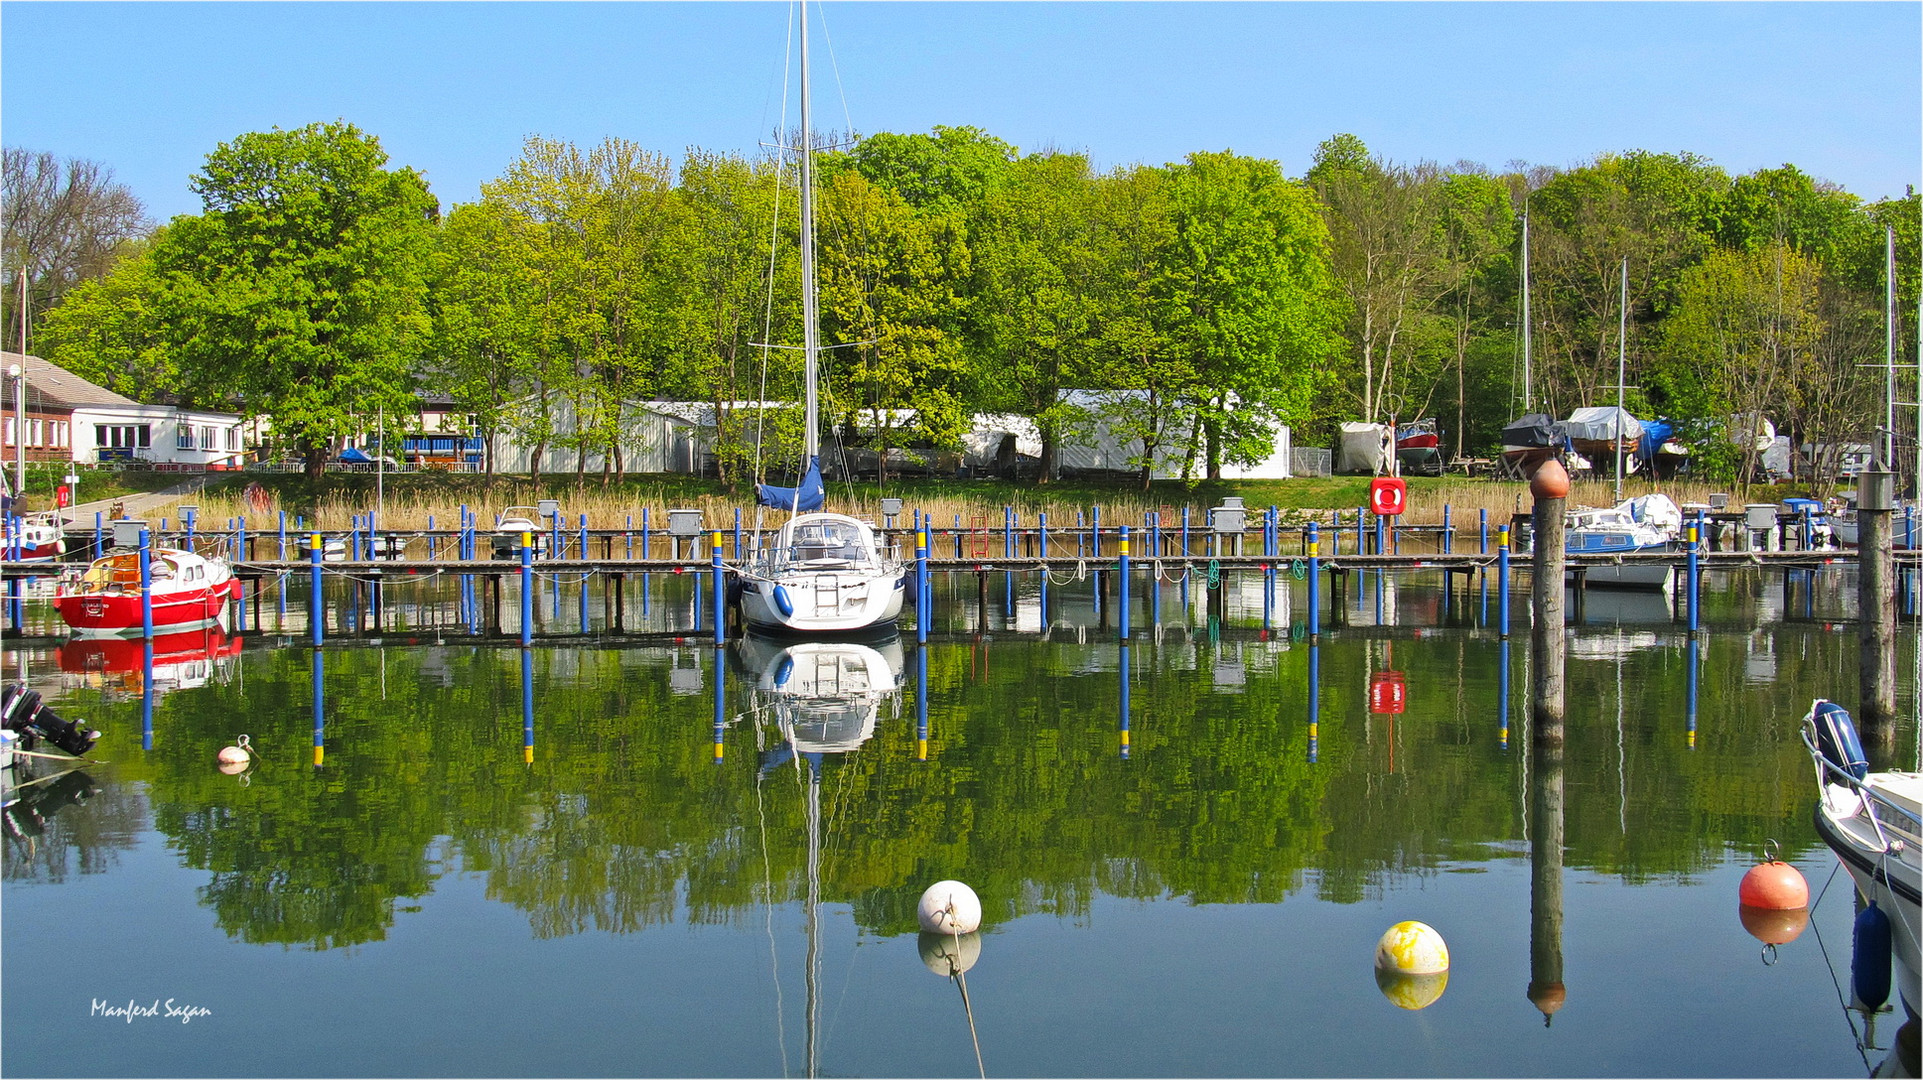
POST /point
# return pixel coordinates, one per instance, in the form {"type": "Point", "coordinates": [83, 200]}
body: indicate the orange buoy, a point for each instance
{"type": "Point", "coordinates": [1774, 886]}
{"type": "Point", "coordinates": [1551, 481]}
{"type": "Point", "coordinates": [1778, 926]}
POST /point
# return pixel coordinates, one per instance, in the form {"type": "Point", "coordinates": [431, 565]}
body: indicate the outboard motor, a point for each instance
{"type": "Point", "coordinates": [22, 711]}
{"type": "Point", "coordinates": [1836, 739]}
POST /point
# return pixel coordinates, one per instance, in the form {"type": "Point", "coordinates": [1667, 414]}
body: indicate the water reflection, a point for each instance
{"type": "Point", "coordinates": [1546, 990]}
{"type": "Point", "coordinates": [823, 698]}
{"type": "Point", "coordinates": [119, 666]}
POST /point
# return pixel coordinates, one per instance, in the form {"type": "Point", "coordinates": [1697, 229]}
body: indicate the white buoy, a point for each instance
{"type": "Point", "coordinates": [236, 754]}
{"type": "Point", "coordinates": [1412, 948]}
{"type": "Point", "coordinates": [949, 907]}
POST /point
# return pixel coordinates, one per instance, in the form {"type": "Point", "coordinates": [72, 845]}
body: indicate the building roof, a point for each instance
{"type": "Point", "coordinates": [57, 386]}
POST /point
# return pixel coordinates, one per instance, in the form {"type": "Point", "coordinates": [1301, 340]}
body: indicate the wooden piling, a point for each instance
{"type": "Point", "coordinates": [1550, 488]}
{"type": "Point", "coordinates": [1876, 608]}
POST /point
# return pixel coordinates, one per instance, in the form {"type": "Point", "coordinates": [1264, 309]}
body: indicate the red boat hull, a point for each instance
{"type": "Point", "coordinates": [121, 611]}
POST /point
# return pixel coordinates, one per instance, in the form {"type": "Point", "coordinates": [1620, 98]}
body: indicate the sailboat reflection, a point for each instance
{"type": "Point", "coordinates": [822, 697]}
{"type": "Point", "coordinates": [181, 661]}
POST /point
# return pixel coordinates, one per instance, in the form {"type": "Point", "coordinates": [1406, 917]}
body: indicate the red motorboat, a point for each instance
{"type": "Point", "coordinates": [187, 590]}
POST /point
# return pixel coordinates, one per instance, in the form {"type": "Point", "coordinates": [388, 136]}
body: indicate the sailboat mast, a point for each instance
{"type": "Point", "coordinates": [1622, 350]}
{"type": "Point", "coordinates": [810, 331]}
{"type": "Point", "coordinates": [1886, 446]}
{"type": "Point", "coordinates": [1528, 398]}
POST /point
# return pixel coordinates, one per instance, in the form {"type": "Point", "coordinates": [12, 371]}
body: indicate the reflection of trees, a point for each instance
{"type": "Point", "coordinates": [48, 839]}
{"type": "Point", "coordinates": [624, 821]}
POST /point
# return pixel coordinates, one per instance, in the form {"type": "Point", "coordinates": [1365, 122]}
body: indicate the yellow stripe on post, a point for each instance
{"type": "Point", "coordinates": [319, 753]}
{"type": "Point", "coordinates": [527, 755]}
{"type": "Point", "coordinates": [315, 542]}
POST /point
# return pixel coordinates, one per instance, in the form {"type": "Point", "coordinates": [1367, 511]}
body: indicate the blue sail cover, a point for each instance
{"type": "Point", "coordinates": [808, 496]}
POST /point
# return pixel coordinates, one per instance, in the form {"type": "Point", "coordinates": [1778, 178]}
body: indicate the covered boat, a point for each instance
{"type": "Point", "coordinates": [1530, 439]}
{"type": "Point", "coordinates": [1647, 524]}
{"type": "Point", "coordinates": [186, 589]}
{"type": "Point", "coordinates": [1365, 449]}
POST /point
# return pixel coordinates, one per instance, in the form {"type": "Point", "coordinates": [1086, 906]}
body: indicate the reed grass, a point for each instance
{"type": "Point", "coordinates": [408, 507]}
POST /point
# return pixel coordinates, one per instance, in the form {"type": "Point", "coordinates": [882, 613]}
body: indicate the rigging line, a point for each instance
{"type": "Point", "coordinates": [1830, 965]}
{"type": "Point", "coordinates": [841, 91]}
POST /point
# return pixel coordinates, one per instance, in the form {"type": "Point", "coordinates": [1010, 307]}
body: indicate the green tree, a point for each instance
{"type": "Point", "coordinates": [1247, 300]}
{"type": "Point", "coordinates": [108, 331]}
{"type": "Point", "coordinates": [300, 293]}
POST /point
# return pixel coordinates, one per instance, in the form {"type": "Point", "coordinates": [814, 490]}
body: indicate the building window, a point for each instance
{"type": "Point", "coordinates": [184, 437]}
{"type": "Point", "coordinates": [123, 436]}
{"type": "Point", "coordinates": [233, 438]}
{"type": "Point", "coordinates": [33, 432]}
{"type": "Point", "coordinates": [9, 427]}
{"type": "Point", "coordinates": [207, 438]}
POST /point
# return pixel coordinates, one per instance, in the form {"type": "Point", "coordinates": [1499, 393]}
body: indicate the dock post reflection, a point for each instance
{"type": "Point", "coordinates": [1315, 697]}
{"type": "Point", "coordinates": [147, 694]}
{"type": "Point", "coordinates": [1693, 659]}
{"type": "Point", "coordinates": [921, 704]}
{"type": "Point", "coordinates": [1546, 989]}
{"type": "Point", "coordinates": [527, 706]}
{"type": "Point", "coordinates": [319, 668]}
{"type": "Point", "coordinates": [1502, 694]}
{"type": "Point", "coordinates": [1123, 664]}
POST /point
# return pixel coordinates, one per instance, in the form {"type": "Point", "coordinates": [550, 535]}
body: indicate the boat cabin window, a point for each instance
{"type": "Point", "coordinates": [827, 541]}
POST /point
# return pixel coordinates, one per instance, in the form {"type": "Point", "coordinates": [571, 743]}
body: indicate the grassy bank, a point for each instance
{"type": "Point", "coordinates": [410, 500]}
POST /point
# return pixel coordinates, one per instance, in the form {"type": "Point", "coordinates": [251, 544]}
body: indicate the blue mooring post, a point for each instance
{"type": "Point", "coordinates": [644, 542]}
{"type": "Point", "coordinates": [921, 582]}
{"type": "Point", "coordinates": [1041, 525]}
{"type": "Point", "coordinates": [146, 586]}
{"type": "Point", "coordinates": [1121, 582]}
{"type": "Point", "coordinates": [584, 549]}
{"type": "Point", "coordinates": [240, 539]}
{"type": "Point", "coordinates": [283, 536]}
{"type": "Point", "coordinates": [1448, 532]}
{"type": "Point", "coordinates": [316, 615]}
{"type": "Point", "coordinates": [720, 616]}
{"type": "Point", "coordinates": [1692, 584]}
{"type": "Point", "coordinates": [527, 589]}
{"type": "Point", "coordinates": [737, 534]}
{"type": "Point", "coordinates": [1502, 580]}
{"type": "Point", "coordinates": [628, 535]}
{"type": "Point", "coordinates": [1909, 527]}
{"type": "Point", "coordinates": [1361, 539]}
{"type": "Point", "coordinates": [1315, 583]}
{"type": "Point", "coordinates": [1185, 535]}
{"type": "Point", "coordinates": [98, 538]}
{"type": "Point", "coordinates": [1482, 525]}
{"type": "Point", "coordinates": [1095, 529]}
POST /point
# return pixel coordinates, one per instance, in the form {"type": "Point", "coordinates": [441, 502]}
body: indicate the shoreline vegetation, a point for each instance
{"type": "Point", "coordinates": [411, 499]}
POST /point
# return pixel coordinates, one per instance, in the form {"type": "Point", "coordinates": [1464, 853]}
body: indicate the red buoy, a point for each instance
{"type": "Point", "coordinates": [1776, 886]}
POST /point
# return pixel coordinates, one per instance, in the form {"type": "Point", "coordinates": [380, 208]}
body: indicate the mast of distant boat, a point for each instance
{"type": "Point", "coordinates": [20, 401]}
{"type": "Point", "coordinates": [1528, 398]}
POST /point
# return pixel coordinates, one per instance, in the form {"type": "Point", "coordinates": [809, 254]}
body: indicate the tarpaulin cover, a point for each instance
{"type": "Point", "coordinates": [1655, 434]}
{"type": "Point", "coordinates": [1365, 449]}
{"type": "Point", "coordinates": [354, 455]}
{"type": "Point", "coordinates": [1532, 430]}
{"type": "Point", "coordinates": [1602, 423]}
{"type": "Point", "coordinates": [809, 495]}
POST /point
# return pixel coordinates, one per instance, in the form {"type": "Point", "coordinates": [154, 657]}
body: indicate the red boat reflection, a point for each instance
{"type": "Point", "coordinates": [182, 660]}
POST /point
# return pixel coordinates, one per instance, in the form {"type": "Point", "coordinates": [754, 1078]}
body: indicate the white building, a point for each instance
{"type": "Point", "coordinates": [71, 419]}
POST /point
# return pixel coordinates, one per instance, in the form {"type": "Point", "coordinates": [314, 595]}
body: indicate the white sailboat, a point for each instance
{"type": "Point", "coordinates": [824, 573]}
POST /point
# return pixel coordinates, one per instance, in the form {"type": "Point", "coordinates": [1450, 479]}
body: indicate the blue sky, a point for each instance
{"type": "Point", "coordinates": [453, 88]}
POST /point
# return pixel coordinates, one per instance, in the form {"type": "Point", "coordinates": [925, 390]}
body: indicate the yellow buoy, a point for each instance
{"type": "Point", "coordinates": [1412, 948]}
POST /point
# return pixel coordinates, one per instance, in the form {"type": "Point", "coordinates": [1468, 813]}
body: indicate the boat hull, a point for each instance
{"type": "Point", "coordinates": [119, 613]}
{"type": "Point", "coordinates": [1652, 576]}
{"type": "Point", "coordinates": [859, 603]}
{"type": "Point", "coordinates": [1891, 882]}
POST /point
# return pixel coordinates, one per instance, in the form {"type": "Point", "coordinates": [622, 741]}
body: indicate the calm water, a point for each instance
{"type": "Point", "coordinates": [604, 856]}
